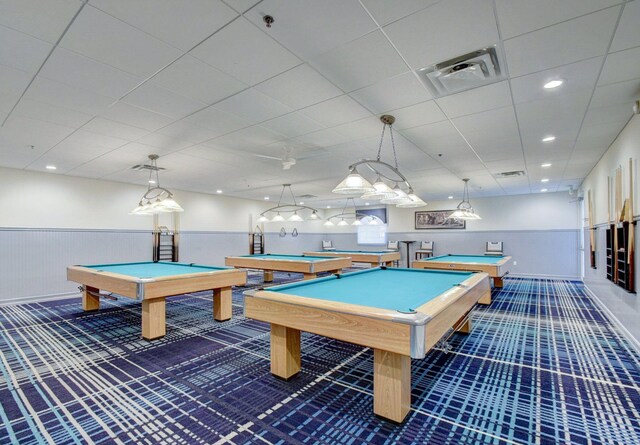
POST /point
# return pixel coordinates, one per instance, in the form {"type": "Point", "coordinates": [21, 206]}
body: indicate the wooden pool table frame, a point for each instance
{"type": "Point", "coordinates": [308, 268]}
{"type": "Point", "coordinates": [395, 337]}
{"type": "Point", "coordinates": [496, 271]}
{"type": "Point", "coordinates": [152, 292]}
{"type": "Point", "coordinates": [373, 258]}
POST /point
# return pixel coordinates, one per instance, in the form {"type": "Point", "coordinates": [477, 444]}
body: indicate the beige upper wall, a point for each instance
{"type": "Point", "coordinates": [47, 200]}
{"type": "Point", "coordinates": [626, 145]}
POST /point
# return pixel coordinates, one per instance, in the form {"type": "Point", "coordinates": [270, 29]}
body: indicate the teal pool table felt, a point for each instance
{"type": "Point", "coordinates": [154, 270]}
{"type": "Point", "coordinates": [395, 289]}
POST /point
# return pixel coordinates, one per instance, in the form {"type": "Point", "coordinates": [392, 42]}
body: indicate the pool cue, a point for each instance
{"type": "Point", "coordinates": [592, 232]}
{"type": "Point", "coordinates": [631, 237]}
{"type": "Point", "coordinates": [616, 207]}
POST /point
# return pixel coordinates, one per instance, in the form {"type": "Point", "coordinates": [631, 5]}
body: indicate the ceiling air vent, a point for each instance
{"type": "Point", "coordinates": [306, 196]}
{"type": "Point", "coordinates": [140, 167]}
{"type": "Point", "coordinates": [512, 174]}
{"type": "Point", "coordinates": [465, 72]}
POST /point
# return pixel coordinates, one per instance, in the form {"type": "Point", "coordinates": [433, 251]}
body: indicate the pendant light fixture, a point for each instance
{"type": "Point", "coordinates": [464, 209]}
{"type": "Point", "coordinates": [157, 199]}
{"type": "Point", "coordinates": [292, 208]}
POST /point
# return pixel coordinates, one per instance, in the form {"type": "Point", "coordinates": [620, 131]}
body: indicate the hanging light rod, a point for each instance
{"type": "Point", "coordinates": [287, 208]}
{"type": "Point", "coordinates": [464, 209]}
{"type": "Point", "coordinates": [157, 199]}
{"type": "Point", "coordinates": [355, 183]}
{"type": "Point", "coordinates": [359, 219]}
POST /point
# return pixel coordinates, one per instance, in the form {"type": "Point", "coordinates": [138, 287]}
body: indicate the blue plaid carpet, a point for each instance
{"type": "Point", "coordinates": [542, 365]}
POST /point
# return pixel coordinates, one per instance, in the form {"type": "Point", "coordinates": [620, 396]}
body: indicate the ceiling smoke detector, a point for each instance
{"type": "Point", "coordinates": [513, 174]}
{"type": "Point", "coordinates": [465, 72]}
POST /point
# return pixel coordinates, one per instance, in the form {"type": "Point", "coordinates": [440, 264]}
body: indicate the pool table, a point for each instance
{"type": "Point", "coordinates": [374, 258]}
{"type": "Point", "coordinates": [399, 313]}
{"type": "Point", "coordinates": [497, 266]}
{"type": "Point", "coordinates": [152, 282]}
{"type": "Point", "coordinates": [308, 265]}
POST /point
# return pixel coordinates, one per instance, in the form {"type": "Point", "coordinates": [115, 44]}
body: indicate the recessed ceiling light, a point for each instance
{"type": "Point", "coordinates": [547, 165]}
{"type": "Point", "coordinates": [450, 197]}
{"type": "Point", "coordinates": [544, 180]}
{"type": "Point", "coordinates": [328, 207]}
{"type": "Point", "coordinates": [151, 181]}
{"type": "Point", "coordinates": [301, 203]}
{"type": "Point", "coordinates": [218, 191]}
{"type": "Point", "coordinates": [543, 190]}
{"type": "Point", "coordinates": [549, 139]}
{"type": "Point", "coordinates": [553, 84]}
{"type": "Point", "coordinates": [266, 198]}
{"type": "Point", "coordinates": [51, 167]}
{"type": "Point", "coordinates": [366, 203]}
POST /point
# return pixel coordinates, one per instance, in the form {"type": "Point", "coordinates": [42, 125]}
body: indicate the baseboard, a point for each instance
{"type": "Point", "coordinates": [38, 298]}
{"type": "Point", "coordinates": [547, 276]}
{"type": "Point", "coordinates": [625, 333]}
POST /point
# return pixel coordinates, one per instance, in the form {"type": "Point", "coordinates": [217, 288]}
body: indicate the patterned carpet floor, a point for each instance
{"type": "Point", "coordinates": [543, 364]}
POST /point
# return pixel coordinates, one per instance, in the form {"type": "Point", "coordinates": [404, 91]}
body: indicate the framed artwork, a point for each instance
{"type": "Point", "coordinates": [437, 219]}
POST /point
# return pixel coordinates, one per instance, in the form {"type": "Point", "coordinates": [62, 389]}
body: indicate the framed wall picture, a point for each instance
{"type": "Point", "coordinates": [437, 219]}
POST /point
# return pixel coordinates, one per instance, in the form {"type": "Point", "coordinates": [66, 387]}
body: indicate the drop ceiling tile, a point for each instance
{"type": "Point", "coordinates": [253, 106]}
{"type": "Point", "coordinates": [323, 138]}
{"type": "Point", "coordinates": [299, 87]}
{"type": "Point", "coordinates": [437, 139]}
{"type": "Point", "coordinates": [420, 114]}
{"type": "Point", "coordinates": [616, 93]}
{"type": "Point", "coordinates": [79, 71]}
{"type": "Point", "coordinates": [87, 141]}
{"type": "Point", "coordinates": [13, 82]}
{"type": "Point", "coordinates": [627, 35]}
{"type": "Point", "coordinates": [477, 100]}
{"type": "Point", "coordinates": [42, 19]}
{"type": "Point", "coordinates": [571, 41]}
{"type": "Point", "coordinates": [336, 111]}
{"type": "Point", "coordinates": [621, 66]}
{"type": "Point", "coordinates": [188, 132]}
{"type": "Point", "coordinates": [19, 133]}
{"type": "Point", "coordinates": [160, 100]}
{"type": "Point", "coordinates": [102, 37]}
{"type": "Point", "coordinates": [619, 113]}
{"type": "Point", "coordinates": [359, 63]}
{"type": "Point", "coordinates": [12, 158]}
{"type": "Point", "coordinates": [138, 117]}
{"type": "Point", "coordinates": [163, 142]}
{"type": "Point", "coordinates": [292, 125]}
{"type": "Point", "coordinates": [521, 16]}
{"type": "Point", "coordinates": [245, 52]}
{"type": "Point", "coordinates": [363, 128]}
{"type": "Point", "coordinates": [192, 78]}
{"type": "Point", "coordinates": [385, 12]}
{"type": "Point", "coordinates": [491, 132]}
{"type": "Point", "coordinates": [426, 37]}
{"type": "Point", "coordinates": [245, 139]}
{"type": "Point", "coordinates": [170, 21]}
{"type": "Point", "coordinates": [21, 51]}
{"type": "Point", "coordinates": [395, 92]}
{"type": "Point", "coordinates": [505, 165]}
{"type": "Point", "coordinates": [217, 121]}
{"type": "Point", "coordinates": [51, 113]}
{"type": "Point", "coordinates": [55, 93]}
{"type": "Point", "coordinates": [310, 28]}
{"type": "Point", "coordinates": [577, 76]}
{"type": "Point", "coordinates": [111, 128]}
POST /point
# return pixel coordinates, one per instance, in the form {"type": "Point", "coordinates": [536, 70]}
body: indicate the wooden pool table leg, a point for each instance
{"type": "Point", "coordinates": [90, 302]}
{"type": "Point", "coordinates": [391, 385]}
{"type": "Point", "coordinates": [153, 318]}
{"type": "Point", "coordinates": [464, 328]}
{"type": "Point", "coordinates": [268, 276]}
{"type": "Point", "coordinates": [222, 304]}
{"type": "Point", "coordinates": [389, 263]}
{"type": "Point", "coordinates": [486, 298]}
{"type": "Point", "coordinates": [497, 282]}
{"type": "Point", "coordinates": [285, 351]}
{"type": "Point", "coordinates": [311, 276]}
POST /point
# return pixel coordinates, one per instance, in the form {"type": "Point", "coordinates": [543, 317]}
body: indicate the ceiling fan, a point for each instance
{"type": "Point", "coordinates": [287, 160]}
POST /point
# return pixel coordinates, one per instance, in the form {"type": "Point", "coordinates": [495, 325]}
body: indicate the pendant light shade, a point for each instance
{"type": "Point", "coordinates": [380, 191]}
{"type": "Point", "coordinates": [353, 184]}
{"type": "Point", "coordinates": [414, 201]}
{"type": "Point", "coordinates": [295, 217]}
{"type": "Point", "coordinates": [464, 210]}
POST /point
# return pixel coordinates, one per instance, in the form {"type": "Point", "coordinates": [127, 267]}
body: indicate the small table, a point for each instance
{"type": "Point", "coordinates": [399, 313]}
{"type": "Point", "coordinates": [408, 244]}
{"type": "Point", "coordinates": [307, 265]}
{"type": "Point", "coordinates": [152, 282]}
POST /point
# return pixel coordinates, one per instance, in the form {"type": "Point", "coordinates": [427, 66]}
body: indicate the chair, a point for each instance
{"type": "Point", "coordinates": [327, 245]}
{"type": "Point", "coordinates": [425, 250]}
{"type": "Point", "coordinates": [494, 248]}
{"type": "Point", "coordinates": [394, 245]}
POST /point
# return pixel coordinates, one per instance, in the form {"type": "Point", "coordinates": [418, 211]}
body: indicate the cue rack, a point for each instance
{"type": "Point", "coordinates": [620, 234]}
{"type": "Point", "coordinates": [166, 241]}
